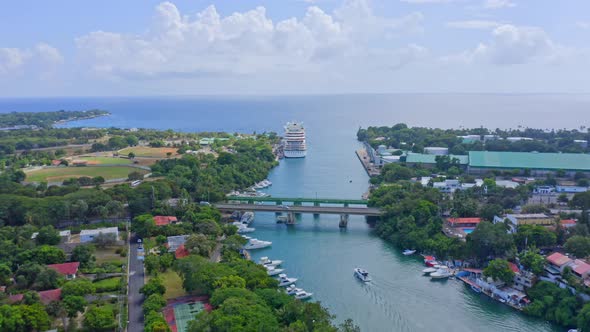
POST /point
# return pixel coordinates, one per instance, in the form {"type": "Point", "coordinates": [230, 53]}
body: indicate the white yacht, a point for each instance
{"type": "Point", "coordinates": [285, 281]}
{"type": "Point", "coordinates": [303, 295]}
{"type": "Point", "coordinates": [292, 289]}
{"type": "Point", "coordinates": [257, 244]}
{"type": "Point", "coordinates": [409, 252]}
{"type": "Point", "coordinates": [362, 274]}
{"type": "Point", "coordinates": [247, 217]}
{"type": "Point", "coordinates": [268, 262]}
{"type": "Point", "coordinates": [429, 270]}
{"type": "Point", "coordinates": [272, 271]}
{"type": "Point", "coordinates": [442, 272]}
{"type": "Point", "coordinates": [294, 141]}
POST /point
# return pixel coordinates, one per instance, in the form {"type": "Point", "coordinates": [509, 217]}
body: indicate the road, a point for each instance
{"type": "Point", "coordinates": [136, 280]}
{"type": "Point", "coordinates": [363, 211]}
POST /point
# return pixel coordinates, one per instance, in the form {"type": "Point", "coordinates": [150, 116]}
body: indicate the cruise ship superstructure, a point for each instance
{"type": "Point", "coordinates": [294, 140]}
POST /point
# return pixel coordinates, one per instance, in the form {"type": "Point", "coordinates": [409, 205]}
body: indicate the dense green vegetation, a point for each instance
{"type": "Point", "coordinates": [45, 119]}
{"type": "Point", "coordinates": [416, 139]}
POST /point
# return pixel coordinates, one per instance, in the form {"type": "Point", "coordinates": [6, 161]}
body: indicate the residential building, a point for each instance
{"type": "Point", "coordinates": [49, 296]}
{"type": "Point", "coordinates": [581, 142]}
{"type": "Point", "coordinates": [447, 186]}
{"type": "Point", "coordinates": [580, 268]}
{"type": "Point", "coordinates": [165, 220]}
{"type": "Point", "coordinates": [516, 220]}
{"type": "Point", "coordinates": [524, 280]}
{"type": "Point", "coordinates": [88, 235]}
{"type": "Point", "coordinates": [464, 222]}
{"type": "Point", "coordinates": [68, 270]}
{"type": "Point", "coordinates": [567, 223]}
{"type": "Point", "coordinates": [557, 261]}
{"type": "Point", "coordinates": [570, 189]}
{"type": "Point", "coordinates": [174, 242]}
{"type": "Point", "coordinates": [181, 252]}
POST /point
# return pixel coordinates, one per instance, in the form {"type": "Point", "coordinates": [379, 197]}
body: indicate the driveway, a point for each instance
{"type": "Point", "coordinates": [136, 279]}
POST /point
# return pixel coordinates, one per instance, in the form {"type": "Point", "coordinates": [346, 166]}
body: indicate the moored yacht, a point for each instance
{"type": "Point", "coordinates": [362, 274]}
{"type": "Point", "coordinates": [268, 262]}
{"type": "Point", "coordinates": [285, 281]}
{"type": "Point", "coordinates": [442, 273]}
{"type": "Point", "coordinates": [429, 270]}
{"type": "Point", "coordinates": [302, 295]}
{"type": "Point", "coordinates": [257, 244]}
{"type": "Point", "coordinates": [408, 252]}
{"type": "Point", "coordinates": [247, 217]}
{"type": "Point", "coordinates": [272, 271]}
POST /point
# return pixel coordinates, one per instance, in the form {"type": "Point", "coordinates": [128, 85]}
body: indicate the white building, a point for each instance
{"type": "Point", "coordinates": [88, 235]}
{"type": "Point", "coordinates": [516, 139]}
{"type": "Point", "coordinates": [582, 142]}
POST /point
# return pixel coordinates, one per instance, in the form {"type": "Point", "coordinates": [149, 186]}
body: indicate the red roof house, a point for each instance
{"type": "Point", "coordinates": [165, 220]}
{"type": "Point", "coordinates": [581, 268]}
{"type": "Point", "coordinates": [181, 252]}
{"type": "Point", "coordinates": [567, 223]}
{"type": "Point", "coordinates": [513, 267]}
{"type": "Point", "coordinates": [49, 296]}
{"type": "Point", "coordinates": [69, 270]}
{"type": "Point", "coordinates": [464, 222]}
{"type": "Point", "coordinates": [15, 298]}
{"type": "Point", "coordinates": [55, 162]}
{"type": "Point", "coordinates": [559, 260]}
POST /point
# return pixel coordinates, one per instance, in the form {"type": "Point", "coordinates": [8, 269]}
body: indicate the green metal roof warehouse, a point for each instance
{"type": "Point", "coordinates": [529, 160]}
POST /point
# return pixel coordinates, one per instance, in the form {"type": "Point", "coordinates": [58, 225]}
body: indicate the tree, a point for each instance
{"type": "Point", "coordinates": [230, 282]}
{"type": "Point", "coordinates": [48, 235]}
{"type": "Point", "coordinates": [24, 318]}
{"type": "Point", "coordinates": [583, 320]}
{"type": "Point", "coordinates": [48, 255]}
{"type": "Point", "coordinates": [100, 319]}
{"type": "Point", "coordinates": [155, 322]}
{"type": "Point", "coordinates": [152, 264]}
{"type": "Point", "coordinates": [534, 235]}
{"type": "Point", "coordinates": [131, 155]}
{"type": "Point", "coordinates": [348, 326]}
{"type": "Point", "coordinates": [578, 245]}
{"type": "Point", "coordinates": [154, 286]}
{"type": "Point", "coordinates": [199, 244]}
{"type": "Point", "coordinates": [5, 274]}
{"type": "Point", "coordinates": [84, 254]}
{"type": "Point", "coordinates": [489, 211]}
{"type": "Point", "coordinates": [103, 240]}
{"type": "Point", "coordinates": [562, 198]}
{"type": "Point", "coordinates": [74, 305]}
{"type": "Point", "coordinates": [143, 225]}
{"type": "Point", "coordinates": [134, 176]}
{"type": "Point", "coordinates": [489, 240]}
{"type": "Point", "coordinates": [154, 302]}
{"type": "Point", "coordinates": [532, 261]}
{"type": "Point", "coordinates": [48, 279]}
{"type": "Point", "coordinates": [198, 274]}
{"type": "Point", "coordinates": [499, 269]}
{"type": "Point", "coordinates": [77, 287]}
{"type": "Point", "coordinates": [98, 180]}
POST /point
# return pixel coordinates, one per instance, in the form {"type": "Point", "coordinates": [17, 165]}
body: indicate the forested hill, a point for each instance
{"type": "Point", "coordinates": [45, 119]}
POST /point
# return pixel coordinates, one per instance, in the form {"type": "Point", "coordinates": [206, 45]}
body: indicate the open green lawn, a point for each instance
{"type": "Point", "coordinates": [146, 151]}
{"type": "Point", "coordinates": [58, 174]}
{"type": "Point", "coordinates": [173, 284]}
{"type": "Point", "coordinates": [105, 160]}
{"type": "Point", "coordinates": [108, 285]}
{"type": "Point", "coordinates": [108, 254]}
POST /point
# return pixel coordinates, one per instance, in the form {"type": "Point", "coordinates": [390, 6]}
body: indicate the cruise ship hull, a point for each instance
{"type": "Point", "coordinates": [294, 154]}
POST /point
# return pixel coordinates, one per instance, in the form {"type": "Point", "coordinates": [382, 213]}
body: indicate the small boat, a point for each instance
{"type": "Point", "coordinates": [303, 295]}
{"type": "Point", "coordinates": [268, 262]}
{"type": "Point", "coordinates": [292, 289]}
{"type": "Point", "coordinates": [430, 261]}
{"type": "Point", "coordinates": [363, 275]}
{"type": "Point", "coordinates": [247, 217]}
{"type": "Point", "coordinates": [441, 273]}
{"type": "Point", "coordinates": [409, 252]}
{"type": "Point", "coordinates": [429, 270]}
{"type": "Point", "coordinates": [272, 271]}
{"type": "Point", "coordinates": [475, 289]}
{"type": "Point", "coordinates": [285, 281]}
{"type": "Point", "coordinates": [257, 244]}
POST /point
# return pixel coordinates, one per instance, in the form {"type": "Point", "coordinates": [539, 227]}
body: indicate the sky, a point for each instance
{"type": "Point", "coordinates": [267, 47]}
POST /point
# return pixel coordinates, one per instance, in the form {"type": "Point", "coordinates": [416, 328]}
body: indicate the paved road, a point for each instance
{"type": "Point", "coordinates": [364, 211]}
{"type": "Point", "coordinates": [136, 279]}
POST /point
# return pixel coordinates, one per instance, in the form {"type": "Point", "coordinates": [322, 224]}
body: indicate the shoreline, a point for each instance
{"type": "Point", "coordinates": [59, 122]}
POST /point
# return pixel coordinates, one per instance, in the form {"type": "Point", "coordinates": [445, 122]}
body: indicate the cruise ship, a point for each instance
{"type": "Point", "coordinates": [294, 140]}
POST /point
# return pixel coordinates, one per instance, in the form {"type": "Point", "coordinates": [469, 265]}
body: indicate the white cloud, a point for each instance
{"type": "Point", "coordinates": [473, 24]}
{"type": "Point", "coordinates": [428, 1]}
{"type": "Point", "coordinates": [204, 44]}
{"type": "Point", "coordinates": [513, 45]}
{"type": "Point", "coordinates": [498, 4]}
{"type": "Point", "coordinates": [43, 56]}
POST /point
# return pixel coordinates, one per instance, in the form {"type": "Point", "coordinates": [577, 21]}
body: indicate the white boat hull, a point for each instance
{"type": "Point", "coordinates": [295, 153]}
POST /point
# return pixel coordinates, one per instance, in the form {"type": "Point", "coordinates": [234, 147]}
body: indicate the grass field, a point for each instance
{"type": "Point", "coordinates": [59, 174]}
{"type": "Point", "coordinates": [145, 151]}
{"type": "Point", "coordinates": [105, 160]}
{"type": "Point", "coordinates": [173, 284]}
{"type": "Point", "coordinates": [108, 285]}
{"type": "Point", "coordinates": [108, 254]}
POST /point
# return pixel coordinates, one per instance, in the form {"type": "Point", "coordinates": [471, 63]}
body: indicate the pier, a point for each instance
{"type": "Point", "coordinates": [368, 165]}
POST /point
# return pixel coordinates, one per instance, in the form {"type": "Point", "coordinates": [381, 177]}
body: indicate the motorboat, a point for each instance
{"type": "Point", "coordinates": [292, 289]}
{"type": "Point", "coordinates": [268, 262]}
{"type": "Point", "coordinates": [429, 270]}
{"type": "Point", "coordinates": [409, 252]}
{"type": "Point", "coordinates": [302, 295]}
{"type": "Point", "coordinates": [476, 289]}
{"type": "Point", "coordinates": [247, 217]}
{"type": "Point", "coordinates": [363, 275]}
{"type": "Point", "coordinates": [430, 261]}
{"type": "Point", "coordinates": [441, 273]}
{"type": "Point", "coordinates": [272, 271]}
{"type": "Point", "coordinates": [257, 244]}
{"type": "Point", "coordinates": [285, 281]}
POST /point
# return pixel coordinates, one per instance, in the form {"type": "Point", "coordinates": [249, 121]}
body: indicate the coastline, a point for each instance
{"type": "Point", "coordinates": [61, 122]}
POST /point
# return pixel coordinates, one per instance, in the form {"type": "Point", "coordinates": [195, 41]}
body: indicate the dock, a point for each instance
{"type": "Point", "coordinates": [370, 168]}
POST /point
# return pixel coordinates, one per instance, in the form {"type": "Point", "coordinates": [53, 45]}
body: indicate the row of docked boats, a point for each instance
{"type": "Point", "coordinates": [435, 269]}
{"type": "Point", "coordinates": [272, 268]}
{"type": "Point", "coordinates": [244, 223]}
{"type": "Point", "coordinates": [262, 184]}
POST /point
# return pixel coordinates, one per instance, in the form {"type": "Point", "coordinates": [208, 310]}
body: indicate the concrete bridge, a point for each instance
{"type": "Point", "coordinates": [298, 201]}
{"type": "Point", "coordinates": [343, 211]}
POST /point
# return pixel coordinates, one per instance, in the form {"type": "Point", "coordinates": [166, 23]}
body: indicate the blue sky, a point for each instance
{"type": "Point", "coordinates": [194, 47]}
